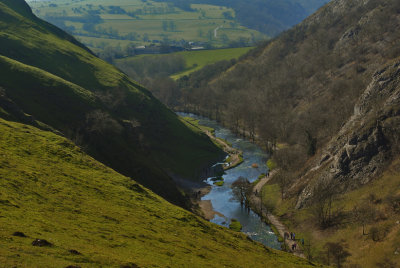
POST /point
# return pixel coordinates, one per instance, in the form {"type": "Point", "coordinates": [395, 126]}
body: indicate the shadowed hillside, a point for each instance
{"type": "Point", "coordinates": [48, 75]}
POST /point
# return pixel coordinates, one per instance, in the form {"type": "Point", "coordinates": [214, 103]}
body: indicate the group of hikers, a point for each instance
{"type": "Point", "coordinates": [292, 236]}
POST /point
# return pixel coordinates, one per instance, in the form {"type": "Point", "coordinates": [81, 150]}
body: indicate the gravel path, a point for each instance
{"type": "Point", "coordinates": [256, 201]}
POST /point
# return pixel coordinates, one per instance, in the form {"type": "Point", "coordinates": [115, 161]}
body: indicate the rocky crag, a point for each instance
{"type": "Point", "coordinates": [366, 143]}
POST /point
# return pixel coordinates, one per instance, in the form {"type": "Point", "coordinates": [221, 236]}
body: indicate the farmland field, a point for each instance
{"type": "Point", "coordinates": [102, 23]}
{"type": "Point", "coordinates": [194, 60]}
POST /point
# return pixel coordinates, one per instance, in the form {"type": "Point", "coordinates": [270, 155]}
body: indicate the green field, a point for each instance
{"type": "Point", "coordinates": [194, 60]}
{"type": "Point", "coordinates": [103, 23]}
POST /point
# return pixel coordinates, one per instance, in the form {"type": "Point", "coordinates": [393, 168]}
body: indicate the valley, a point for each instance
{"type": "Point", "coordinates": [81, 143]}
{"type": "Point", "coordinates": [323, 99]}
{"type": "Point", "coordinates": [199, 133]}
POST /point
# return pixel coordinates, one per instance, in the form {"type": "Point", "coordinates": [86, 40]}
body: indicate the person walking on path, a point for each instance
{"type": "Point", "coordinates": [273, 219]}
{"type": "Point", "coordinates": [294, 237]}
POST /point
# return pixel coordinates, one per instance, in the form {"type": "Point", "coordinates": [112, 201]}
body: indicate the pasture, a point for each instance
{"type": "Point", "coordinates": [102, 23]}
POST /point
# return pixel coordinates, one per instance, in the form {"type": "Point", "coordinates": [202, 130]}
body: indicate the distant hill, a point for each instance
{"type": "Point", "coordinates": [267, 16]}
{"type": "Point", "coordinates": [48, 75]}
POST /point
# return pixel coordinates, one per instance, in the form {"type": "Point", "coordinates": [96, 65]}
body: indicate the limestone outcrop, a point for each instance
{"type": "Point", "coordinates": [366, 143]}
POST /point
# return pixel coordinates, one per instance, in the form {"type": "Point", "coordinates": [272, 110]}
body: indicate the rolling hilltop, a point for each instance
{"type": "Point", "coordinates": [48, 75]}
{"type": "Point", "coordinates": [324, 96]}
{"type": "Point", "coordinates": [123, 27]}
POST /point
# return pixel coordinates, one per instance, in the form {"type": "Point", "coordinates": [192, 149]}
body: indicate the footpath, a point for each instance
{"type": "Point", "coordinates": [255, 200]}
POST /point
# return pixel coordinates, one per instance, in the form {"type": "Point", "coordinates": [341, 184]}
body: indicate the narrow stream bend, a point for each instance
{"type": "Point", "coordinates": [221, 196]}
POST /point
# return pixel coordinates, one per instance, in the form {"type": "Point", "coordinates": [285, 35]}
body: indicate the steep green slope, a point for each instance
{"type": "Point", "coordinates": [93, 216]}
{"type": "Point", "coordinates": [52, 77]}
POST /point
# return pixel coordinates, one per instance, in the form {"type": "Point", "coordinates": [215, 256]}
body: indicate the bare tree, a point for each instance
{"type": "Point", "coordinates": [336, 252]}
{"type": "Point", "coordinates": [241, 188]}
{"type": "Point", "coordinates": [325, 213]}
{"type": "Point", "coordinates": [308, 251]}
{"type": "Point", "coordinates": [363, 214]}
{"type": "Point", "coordinates": [284, 180]}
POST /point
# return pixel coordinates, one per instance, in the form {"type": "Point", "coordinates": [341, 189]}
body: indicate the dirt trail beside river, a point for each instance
{"type": "Point", "coordinates": [273, 220]}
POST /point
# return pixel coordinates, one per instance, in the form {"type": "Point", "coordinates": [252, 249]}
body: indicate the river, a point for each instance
{"type": "Point", "coordinates": [221, 196]}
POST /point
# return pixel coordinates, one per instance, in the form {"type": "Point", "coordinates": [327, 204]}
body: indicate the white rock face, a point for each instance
{"type": "Point", "coordinates": [364, 144]}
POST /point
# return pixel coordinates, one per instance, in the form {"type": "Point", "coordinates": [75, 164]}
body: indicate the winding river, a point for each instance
{"type": "Point", "coordinates": [221, 196]}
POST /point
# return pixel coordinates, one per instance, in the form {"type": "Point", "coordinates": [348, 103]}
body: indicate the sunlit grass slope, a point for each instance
{"type": "Point", "coordinates": [58, 81]}
{"type": "Point", "coordinates": [50, 189]}
{"type": "Point", "coordinates": [195, 60]}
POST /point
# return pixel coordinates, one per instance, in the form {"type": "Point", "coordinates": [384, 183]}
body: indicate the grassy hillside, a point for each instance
{"type": "Point", "coordinates": [99, 24]}
{"type": "Point", "coordinates": [93, 216]}
{"type": "Point", "coordinates": [368, 231]}
{"type": "Point", "coordinates": [55, 79]}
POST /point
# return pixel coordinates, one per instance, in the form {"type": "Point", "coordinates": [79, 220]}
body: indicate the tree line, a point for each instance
{"type": "Point", "coordinates": [296, 90]}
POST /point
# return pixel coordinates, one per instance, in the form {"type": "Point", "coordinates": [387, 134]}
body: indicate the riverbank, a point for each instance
{"type": "Point", "coordinates": [235, 156]}
{"type": "Point", "coordinates": [205, 208]}
{"type": "Point", "coordinates": [252, 160]}
{"type": "Point", "coordinates": [234, 159]}
{"type": "Point", "coordinates": [262, 211]}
